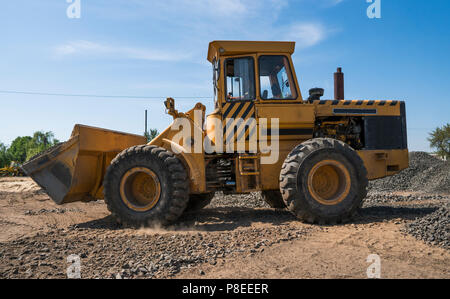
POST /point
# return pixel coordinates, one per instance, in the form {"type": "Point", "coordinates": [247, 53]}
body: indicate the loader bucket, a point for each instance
{"type": "Point", "coordinates": [74, 170]}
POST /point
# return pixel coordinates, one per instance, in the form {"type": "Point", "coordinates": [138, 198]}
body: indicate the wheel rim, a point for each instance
{"type": "Point", "coordinates": [329, 182]}
{"type": "Point", "coordinates": [140, 189]}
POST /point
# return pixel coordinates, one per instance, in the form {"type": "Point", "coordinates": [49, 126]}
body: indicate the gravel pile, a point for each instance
{"type": "Point", "coordinates": [375, 197]}
{"type": "Point", "coordinates": [425, 174]}
{"type": "Point", "coordinates": [251, 200]}
{"type": "Point", "coordinates": [50, 211]}
{"type": "Point", "coordinates": [433, 229]}
{"type": "Point", "coordinates": [132, 254]}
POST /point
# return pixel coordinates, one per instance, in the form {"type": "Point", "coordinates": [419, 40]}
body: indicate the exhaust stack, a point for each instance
{"type": "Point", "coordinates": [339, 85]}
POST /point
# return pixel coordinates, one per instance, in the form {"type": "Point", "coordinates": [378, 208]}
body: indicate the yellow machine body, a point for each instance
{"type": "Point", "coordinates": [74, 171]}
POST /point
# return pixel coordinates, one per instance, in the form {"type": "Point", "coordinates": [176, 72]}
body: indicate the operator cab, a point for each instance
{"type": "Point", "coordinates": [248, 74]}
{"type": "Point", "coordinates": [253, 71]}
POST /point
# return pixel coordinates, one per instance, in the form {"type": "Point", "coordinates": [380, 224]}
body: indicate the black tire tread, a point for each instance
{"type": "Point", "coordinates": [289, 172]}
{"type": "Point", "coordinates": [179, 184]}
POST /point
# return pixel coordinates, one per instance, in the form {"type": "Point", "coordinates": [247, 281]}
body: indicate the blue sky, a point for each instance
{"type": "Point", "coordinates": [158, 49]}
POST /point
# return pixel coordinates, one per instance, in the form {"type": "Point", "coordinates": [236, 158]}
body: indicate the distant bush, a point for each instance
{"type": "Point", "coordinates": [440, 140]}
{"type": "Point", "coordinates": [152, 134]}
{"type": "Point", "coordinates": [40, 142]}
{"type": "Point", "coordinates": [25, 147]}
{"type": "Point", "coordinates": [5, 157]}
{"type": "Point", "coordinates": [18, 149]}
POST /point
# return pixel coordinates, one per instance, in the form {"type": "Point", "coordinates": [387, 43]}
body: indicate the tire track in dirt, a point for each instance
{"type": "Point", "coordinates": [37, 236]}
{"type": "Point", "coordinates": [337, 252]}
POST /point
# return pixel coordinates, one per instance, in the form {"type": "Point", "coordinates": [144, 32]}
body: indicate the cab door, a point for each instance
{"type": "Point", "coordinates": [279, 98]}
{"type": "Point", "coordinates": [238, 105]}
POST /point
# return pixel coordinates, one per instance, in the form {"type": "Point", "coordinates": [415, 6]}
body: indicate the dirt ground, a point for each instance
{"type": "Point", "coordinates": [219, 242]}
{"type": "Point", "coordinates": [25, 209]}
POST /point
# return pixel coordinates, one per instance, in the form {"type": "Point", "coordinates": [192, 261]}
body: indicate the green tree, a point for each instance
{"type": "Point", "coordinates": [40, 142]}
{"type": "Point", "coordinates": [23, 148]}
{"type": "Point", "coordinates": [152, 134]}
{"type": "Point", "coordinates": [440, 140]}
{"type": "Point", "coordinates": [18, 149]}
{"type": "Point", "coordinates": [5, 158]}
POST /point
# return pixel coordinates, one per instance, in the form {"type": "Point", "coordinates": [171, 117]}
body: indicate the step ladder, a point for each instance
{"type": "Point", "coordinates": [249, 172]}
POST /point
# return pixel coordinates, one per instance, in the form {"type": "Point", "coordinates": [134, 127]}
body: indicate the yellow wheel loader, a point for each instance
{"type": "Point", "coordinates": [311, 156]}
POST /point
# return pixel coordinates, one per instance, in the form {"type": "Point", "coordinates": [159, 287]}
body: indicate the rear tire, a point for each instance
{"type": "Point", "coordinates": [274, 199]}
{"type": "Point", "coordinates": [323, 181]}
{"type": "Point", "coordinates": [199, 201]}
{"type": "Point", "coordinates": [146, 185]}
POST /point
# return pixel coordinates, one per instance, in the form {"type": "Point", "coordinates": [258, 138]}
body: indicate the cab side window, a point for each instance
{"type": "Point", "coordinates": [276, 79]}
{"type": "Point", "coordinates": [240, 79]}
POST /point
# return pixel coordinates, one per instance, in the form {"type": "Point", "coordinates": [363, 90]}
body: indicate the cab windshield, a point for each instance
{"type": "Point", "coordinates": [240, 79]}
{"type": "Point", "coordinates": [276, 78]}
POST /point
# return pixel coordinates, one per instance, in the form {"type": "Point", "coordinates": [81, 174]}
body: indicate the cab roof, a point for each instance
{"type": "Point", "coordinates": [221, 48]}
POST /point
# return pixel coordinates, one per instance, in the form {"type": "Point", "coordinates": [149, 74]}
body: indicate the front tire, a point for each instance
{"type": "Point", "coordinates": [146, 185]}
{"type": "Point", "coordinates": [323, 181]}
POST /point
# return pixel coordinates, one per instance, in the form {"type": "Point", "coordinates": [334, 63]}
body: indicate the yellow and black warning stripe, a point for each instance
{"type": "Point", "coordinates": [358, 103]}
{"type": "Point", "coordinates": [358, 107]}
{"type": "Point", "coordinates": [238, 120]}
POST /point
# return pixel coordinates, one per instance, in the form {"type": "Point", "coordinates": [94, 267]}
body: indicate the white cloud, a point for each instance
{"type": "Point", "coordinates": [214, 13]}
{"type": "Point", "coordinates": [190, 24]}
{"type": "Point", "coordinates": [307, 34]}
{"type": "Point", "coordinates": [229, 7]}
{"type": "Point", "coordinates": [206, 8]}
{"type": "Point", "coordinates": [78, 47]}
{"type": "Point", "coordinates": [329, 3]}
{"type": "Point", "coordinates": [336, 2]}
{"type": "Point", "coordinates": [84, 47]}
